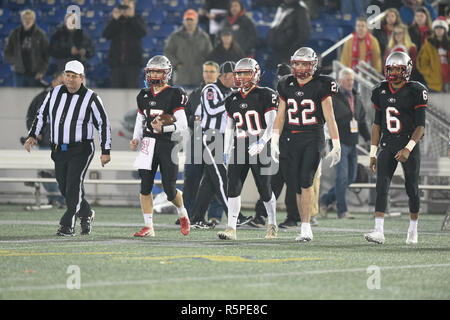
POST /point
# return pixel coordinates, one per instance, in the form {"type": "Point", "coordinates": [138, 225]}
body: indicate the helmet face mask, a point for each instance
{"type": "Point", "coordinates": [398, 67]}
{"type": "Point", "coordinates": [304, 63]}
{"type": "Point", "coordinates": [158, 71]}
{"type": "Point", "coordinates": [246, 73]}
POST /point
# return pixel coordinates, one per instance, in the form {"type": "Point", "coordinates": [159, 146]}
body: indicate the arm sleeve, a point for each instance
{"type": "Point", "coordinates": [328, 88]}
{"type": "Point", "coordinates": [179, 125]}
{"type": "Point", "coordinates": [41, 117]}
{"type": "Point", "coordinates": [377, 119]}
{"type": "Point", "coordinates": [269, 116]}
{"type": "Point", "coordinates": [103, 125]}
{"type": "Point", "coordinates": [229, 132]}
{"type": "Point", "coordinates": [420, 106]}
{"type": "Point", "coordinates": [139, 126]}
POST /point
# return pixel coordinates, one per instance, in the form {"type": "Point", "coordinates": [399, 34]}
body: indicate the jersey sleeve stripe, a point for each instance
{"type": "Point", "coordinates": [282, 98]}
{"type": "Point", "coordinates": [179, 108]}
{"type": "Point", "coordinates": [377, 107]}
{"type": "Point", "coordinates": [229, 115]}
{"type": "Point", "coordinates": [328, 95]}
{"type": "Point", "coordinates": [270, 109]}
{"type": "Point", "coordinates": [419, 106]}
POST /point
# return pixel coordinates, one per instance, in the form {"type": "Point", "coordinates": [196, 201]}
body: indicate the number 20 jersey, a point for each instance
{"type": "Point", "coordinates": [399, 112]}
{"type": "Point", "coordinates": [304, 102]}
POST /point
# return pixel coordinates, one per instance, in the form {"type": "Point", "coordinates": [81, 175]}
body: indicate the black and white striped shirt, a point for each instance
{"type": "Point", "coordinates": [213, 115]}
{"type": "Point", "coordinates": [73, 117]}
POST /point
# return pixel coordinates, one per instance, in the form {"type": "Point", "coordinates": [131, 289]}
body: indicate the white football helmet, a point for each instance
{"type": "Point", "coordinates": [304, 54]}
{"type": "Point", "coordinates": [398, 59]}
{"type": "Point", "coordinates": [247, 65]}
{"type": "Point", "coordinates": [158, 63]}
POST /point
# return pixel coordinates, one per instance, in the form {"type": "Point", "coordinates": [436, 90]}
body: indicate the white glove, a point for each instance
{"type": "Point", "coordinates": [335, 153]}
{"type": "Point", "coordinates": [256, 147]}
{"type": "Point", "coordinates": [275, 149]}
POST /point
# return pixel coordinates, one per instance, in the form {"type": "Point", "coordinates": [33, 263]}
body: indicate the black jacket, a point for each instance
{"type": "Point", "coordinates": [61, 44]}
{"type": "Point", "coordinates": [343, 116]}
{"type": "Point", "coordinates": [244, 33]}
{"type": "Point", "coordinates": [220, 54]}
{"type": "Point", "coordinates": [31, 115]}
{"type": "Point", "coordinates": [292, 33]}
{"type": "Point", "coordinates": [126, 45]}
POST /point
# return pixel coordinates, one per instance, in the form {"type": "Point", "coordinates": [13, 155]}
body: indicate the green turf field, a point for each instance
{"type": "Point", "coordinates": [34, 263]}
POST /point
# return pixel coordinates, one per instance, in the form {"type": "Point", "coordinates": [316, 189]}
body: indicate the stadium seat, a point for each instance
{"type": "Point", "coordinates": [56, 17]}
{"type": "Point", "coordinates": [6, 29]}
{"type": "Point", "coordinates": [16, 5]}
{"type": "Point", "coordinates": [174, 17]}
{"type": "Point", "coordinates": [102, 45]}
{"type": "Point", "coordinates": [4, 15]}
{"type": "Point", "coordinates": [156, 17]}
{"type": "Point", "coordinates": [163, 31]}
{"type": "Point", "coordinates": [332, 33]}
{"type": "Point", "coordinates": [149, 43]}
{"type": "Point", "coordinates": [145, 5]}
{"type": "Point", "coordinates": [95, 30]}
{"type": "Point", "coordinates": [91, 16]}
{"type": "Point", "coordinates": [257, 16]}
{"type": "Point", "coordinates": [263, 30]}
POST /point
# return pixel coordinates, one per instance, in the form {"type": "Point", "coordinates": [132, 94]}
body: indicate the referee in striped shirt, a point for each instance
{"type": "Point", "coordinates": [73, 111]}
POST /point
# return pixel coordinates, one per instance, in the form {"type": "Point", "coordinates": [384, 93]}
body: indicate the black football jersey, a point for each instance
{"type": "Point", "coordinates": [399, 112]}
{"type": "Point", "coordinates": [304, 102]}
{"type": "Point", "coordinates": [169, 100]}
{"type": "Point", "coordinates": [248, 110]}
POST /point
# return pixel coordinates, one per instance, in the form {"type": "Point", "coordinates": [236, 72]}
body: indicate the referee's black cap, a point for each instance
{"type": "Point", "coordinates": [227, 67]}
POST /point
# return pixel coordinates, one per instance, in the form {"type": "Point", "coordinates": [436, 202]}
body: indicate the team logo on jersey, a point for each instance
{"type": "Point", "coordinates": [383, 91]}
{"type": "Point", "coordinates": [391, 100]}
{"type": "Point", "coordinates": [243, 106]}
{"type": "Point", "coordinates": [152, 103]}
{"type": "Point", "coordinates": [299, 93]}
{"type": "Point", "coordinates": [291, 84]}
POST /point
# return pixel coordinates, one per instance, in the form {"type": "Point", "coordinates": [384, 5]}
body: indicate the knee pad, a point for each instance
{"type": "Point", "coordinates": [146, 182]}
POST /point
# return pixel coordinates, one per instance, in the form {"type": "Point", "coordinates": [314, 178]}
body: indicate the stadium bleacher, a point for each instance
{"type": "Point", "coordinates": [162, 18]}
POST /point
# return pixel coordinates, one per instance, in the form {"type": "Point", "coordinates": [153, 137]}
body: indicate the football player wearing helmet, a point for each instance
{"type": "Point", "coordinates": [251, 112]}
{"type": "Point", "coordinates": [305, 103]}
{"type": "Point", "coordinates": [399, 124]}
{"type": "Point", "coordinates": [156, 141]}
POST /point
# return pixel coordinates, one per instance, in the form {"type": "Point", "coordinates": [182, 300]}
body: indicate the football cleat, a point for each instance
{"type": "Point", "coordinates": [375, 236]}
{"type": "Point", "coordinates": [304, 237]}
{"type": "Point", "coordinates": [185, 225]}
{"type": "Point", "coordinates": [412, 237]}
{"type": "Point", "coordinates": [86, 224]}
{"type": "Point", "coordinates": [145, 232]}
{"type": "Point", "coordinates": [243, 220]}
{"type": "Point", "coordinates": [65, 231]}
{"type": "Point", "coordinates": [271, 231]}
{"type": "Point", "coordinates": [228, 234]}
{"type": "Point", "coordinates": [204, 225]}
{"type": "Point", "coordinates": [288, 223]}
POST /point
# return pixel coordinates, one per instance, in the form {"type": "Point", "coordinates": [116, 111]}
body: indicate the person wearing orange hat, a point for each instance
{"type": "Point", "coordinates": [187, 49]}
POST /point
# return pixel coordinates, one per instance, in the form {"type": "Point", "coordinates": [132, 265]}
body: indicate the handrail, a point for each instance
{"type": "Point", "coordinates": [349, 36]}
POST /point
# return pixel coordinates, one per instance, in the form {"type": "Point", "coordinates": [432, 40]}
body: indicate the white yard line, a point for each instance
{"type": "Point", "coordinates": [214, 278]}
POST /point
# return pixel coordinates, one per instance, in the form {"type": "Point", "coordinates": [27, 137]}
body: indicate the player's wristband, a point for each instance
{"type": "Point", "coordinates": [169, 128]}
{"type": "Point", "coordinates": [373, 151]}
{"type": "Point", "coordinates": [411, 144]}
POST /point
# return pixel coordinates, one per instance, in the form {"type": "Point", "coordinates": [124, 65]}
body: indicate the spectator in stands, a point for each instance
{"type": "Point", "coordinates": [187, 49]}
{"type": "Point", "coordinates": [353, 7]}
{"type": "Point", "coordinates": [70, 43]}
{"type": "Point", "coordinates": [407, 11]}
{"type": "Point", "coordinates": [125, 29]}
{"type": "Point", "coordinates": [434, 57]}
{"type": "Point", "coordinates": [388, 22]}
{"type": "Point", "coordinates": [362, 47]}
{"type": "Point", "coordinates": [351, 121]}
{"type": "Point", "coordinates": [242, 27]}
{"type": "Point", "coordinates": [27, 51]}
{"type": "Point", "coordinates": [400, 41]}
{"type": "Point", "coordinates": [193, 170]}
{"type": "Point", "coordinates": [289, 31]}
{"type": "Point", "coordinates": [420, 29]}
{"type": "Point", "coordinates": [43, 140]}
{"type": "Point", "coordinates": [211, 14]}
{"type": "Point", "coordinates": [386, 4]}
{"type": "Point", "coordinates": [227, 49]}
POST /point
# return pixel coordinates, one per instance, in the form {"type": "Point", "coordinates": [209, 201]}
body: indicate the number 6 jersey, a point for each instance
{"type": "Point", "coordinates": [304, 102]}
{"type": "Point", "coordinates": [399, 112]}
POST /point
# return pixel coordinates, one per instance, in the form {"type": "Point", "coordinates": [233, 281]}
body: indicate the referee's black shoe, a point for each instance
{"type": "Point", "coordinates": [65, 231]}
{"type": "Point", "coordinates": [86, 224]}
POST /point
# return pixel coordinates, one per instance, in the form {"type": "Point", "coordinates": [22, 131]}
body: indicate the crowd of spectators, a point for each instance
{"type": "Point", "coordinates": [221, 31]}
